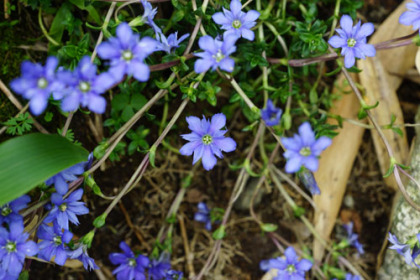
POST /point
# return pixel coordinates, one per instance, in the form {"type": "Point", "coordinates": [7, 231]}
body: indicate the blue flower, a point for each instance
{"type": "Point", "coordinates": [308, 180]}
{"type": "Point", "coordinates": [403, 249]}
{"type": "Point", "coordinates": [353, 238]}
{"type": "Point", "coordinates": [70, 174]}
{"type": "Point", "coordinates": [350, 276]}
{"type": "Point", "coordinates": [14, 248]}
{"type": "Point", "coordinates": [303, 149]}
{"type": "Point", "coordinates": [84, 87]}
{"type": "Point", "coordinates": [289, 267]}
{"type": "Point", "coordinates": [236, 22]}
{"type": "Point", "coordinates": [412, 16]}
{"type": "Point", "coordinates": [126, 53]}
{"type": "Point", "coordinates": [207, 140]}
{"type": "Point", "coordinates": [37, 83]}
{"type": "Point", "coordinates": [149, 14]}
{"type": "Point", "coordinates": [352, 40]}
{"type": "Point", "coordinates": [203, 215]}
{"type": "Point", "coordinates": [67, 209]}
{"type": "Point", "coordinates": [80, 253]}
{"type": "Point", "coordinates": [166, 44]}
{"type": "Point", "coordinates": [174, 275]}
{"type": "Point", "coordinates": [129, 266]}
{"type": "Point", "coordinates": [271, 115]}
{"type": "Point", "coordinates": [159, 267]}
{"type": "Point", "coordinates": [216, 54]}
{"type": "Point", "coordinates": [53, 243]}
{"type": "Point", "coordinates": [10, 211]}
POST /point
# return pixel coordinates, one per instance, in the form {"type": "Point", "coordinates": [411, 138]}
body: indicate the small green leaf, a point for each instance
{"type": "Point", "coordinates": [29, 160]}
{"type": "Point", "coordinates": [298, 211]}
{"type": "Point", "coordinates": [152, 154]}
{"type": "Point", "coordinates": [220, 233]}
{"type": "Point", "coordinates": [99, 221]}
{"type": "Point", "coordinates": [287, 120]}
{"type": "Point", "coordinates": [24, 275]}
{"type": "Point", "coordinates": [268, 227]}
{"type": "Point", "coordinates": [48, 116]}
{"type": "Point", "coordinates": [392, 163]}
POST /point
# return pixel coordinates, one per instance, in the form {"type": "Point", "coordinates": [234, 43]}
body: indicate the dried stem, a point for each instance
{"type": "Point", "coordinates": [384, 140]}
{"type": "Point", "coordinates": [18, 105]}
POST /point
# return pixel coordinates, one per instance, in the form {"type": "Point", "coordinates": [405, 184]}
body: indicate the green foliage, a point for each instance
{"type": "Point", "coordinates": [219, 233]}
{"type": "Point", "coordinates": [269, 227]}
{"type": "Point", "coordinates": [311, 41]}
{"type": "Point", "coordinates": [138, 141]}
{"type": "Point", "coordinates": [19, 125]}
{"type": "Point", "coordinates": [216, 214]}
{"type": "Point", "coordinates": [208, 92]}
{"type": "Point", "coordinates": [125, 103]}
{"type": "Point", "coordinates": [71, 53]}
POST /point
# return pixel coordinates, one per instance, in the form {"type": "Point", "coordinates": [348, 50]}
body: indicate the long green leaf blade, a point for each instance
{"type": "Point", "coordinates": [29, 160]}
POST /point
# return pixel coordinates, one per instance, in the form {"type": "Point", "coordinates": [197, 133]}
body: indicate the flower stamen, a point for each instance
{"type": "Point", "coordinates": [305, 151]}
{"type": "Point", "coordinates": [84, 86]}
{"type": "Point", "coordinates": [6, 210]}
{"type": "Point", "coordinates": [351, 42]}
{"type": "Point", "coordinates": [207, 139]}
{"type": "Point", "coordinates": [42, 83]}
{"type": "Point", "coordinates": [127, 55]}
{"type": "Point", "coordinates": [10, 246]}
{"type": "Point", "coordinates": [236, 24]}
{"type": "Point", "coordinates": [218, 56]}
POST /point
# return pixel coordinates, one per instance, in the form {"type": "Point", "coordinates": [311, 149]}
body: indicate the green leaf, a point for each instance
{"type": "Point", "coordinates": [62, 18]}
{"type": "Point", "coordinates": [127, 113]}
{"type": "Point", "coordinates": [220, 233]}
{"type": "Point", "coordinates": [99, 221]}
{"type": "Point", "coordinates": [269, 227]}
{"type": "Point", "coordinates": [29, 160]}
{"type": "Point", "coordinates": [24, 275]}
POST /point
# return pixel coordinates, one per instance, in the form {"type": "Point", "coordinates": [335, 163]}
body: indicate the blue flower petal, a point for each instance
{"type": "Point", "coordinates": [248, 34]}
{"type": "Point", "coordinates": [38, 104]}
{"type": "Point", "coordinates": [235, 7]}
{"type": "Point", "coordinates": [226, 144]}
{"type": "Point", "coordinates": [139, 70]}
{"type": "Point", "coordinates": [337, 42]}
{"type": "Point", "coordinates": [306, 134]}
{"type": "Point", "coordinates": [365, 30]}
{"type": "Point", "coordinates": [349, 59]}
{"type": "Point", "coordinates": [218, 121]}
{"type": "Point", "coordinates": [198, 153]}
{"type": "Point", "coordinates": [208, 160]}
{"type": "Point", "coordinates": [202, 65]}
{"type": "Point", "coordinates": [189, 148]}
{"type": "Point", "coordinates": [293, 164]}
{"type": "Point", "coordinates": [311, 162]}
{"type": "Point", "coordinates": [220, 18]}
{"type": "Point", "coordinates": [346, 24]}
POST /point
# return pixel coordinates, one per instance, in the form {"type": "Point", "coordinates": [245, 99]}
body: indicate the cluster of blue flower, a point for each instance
{"type": "Point", "coordinates": [84, 87]}
{"type": "Point", "coordinates": [410, 250]}
{"type": "Point", "coordinates": [352, 39]}
{"type": "Point", "coordinates": [140, 267]}
{"type": "Point", "coordinates": [65, 208]}
{"type": "Point", "coordinates": [216, 52]}
{"type": "Point", "coordinates": [290, 267]}
{"type": "Point", "coordinates": [353, 238]}
{"type": "Point", "coordinates": [53, 232]}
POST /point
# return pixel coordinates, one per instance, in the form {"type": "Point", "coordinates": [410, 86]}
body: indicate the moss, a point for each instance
{"type": "Point", "coordinates": [10, 67]}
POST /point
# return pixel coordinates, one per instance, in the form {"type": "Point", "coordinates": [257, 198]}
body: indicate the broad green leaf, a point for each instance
{"type": "Point", "coordinates": [61, 19]}
{"type": "Point", "coordinates": [29, 160]}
